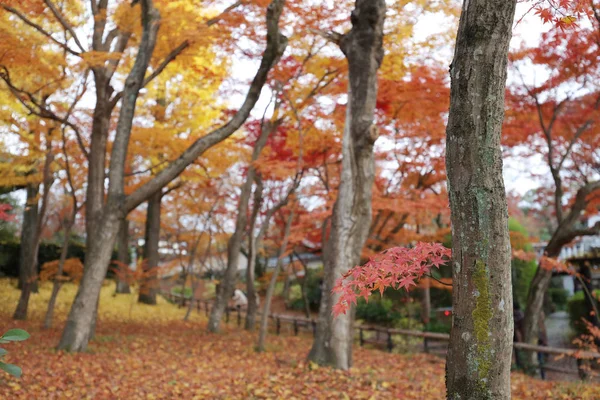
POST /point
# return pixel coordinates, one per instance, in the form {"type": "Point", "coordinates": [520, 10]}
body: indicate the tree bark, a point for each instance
{"type": "Point", "coordinates": [363, 48]}
{"type": "Point", "coordinates": [123, 257]}
{"type": "Point", "coordinates": [28, 230]}
{"type": "Point", "coordinates": [264, 321]}
{"type": "Point", "coordinates": [149, 284]}
{"type": "Point", "coordinates": [479, 355]}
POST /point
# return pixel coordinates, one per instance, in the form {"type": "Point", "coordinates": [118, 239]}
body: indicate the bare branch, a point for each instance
{"type": "Point", "coordinates": [63, 21]}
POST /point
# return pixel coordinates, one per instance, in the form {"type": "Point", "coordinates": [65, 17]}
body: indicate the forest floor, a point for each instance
{"type": "Point", "coordinates": [146, 352]}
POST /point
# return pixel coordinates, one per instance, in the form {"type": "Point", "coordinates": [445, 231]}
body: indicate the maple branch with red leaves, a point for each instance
{"type": "Point", "coordinates": [398, 267]}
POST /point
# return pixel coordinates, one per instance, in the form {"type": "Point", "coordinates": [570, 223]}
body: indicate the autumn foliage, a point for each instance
{"type": "Point", "coordinates": [397, 268]}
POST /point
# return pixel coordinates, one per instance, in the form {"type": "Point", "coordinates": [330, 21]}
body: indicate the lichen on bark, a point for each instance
{"type": "Point", "coordinates": [482, 314]}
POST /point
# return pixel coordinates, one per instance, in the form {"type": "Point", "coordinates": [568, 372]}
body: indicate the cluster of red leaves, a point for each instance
{"type": "Point", "coordinates": [554, 264]}
{"type": "Point", "coordinates": [398, 267]}
{"type": "Point", "coordinates": [561, 13]}
{"type": "Point", "coordinates": [4, 215]}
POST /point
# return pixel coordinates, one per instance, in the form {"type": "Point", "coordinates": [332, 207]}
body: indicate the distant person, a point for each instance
{"type": "Point", "coordinates": [239, 299]}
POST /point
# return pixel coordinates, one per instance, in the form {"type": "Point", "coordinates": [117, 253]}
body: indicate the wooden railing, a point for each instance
{"type": "Point", "coordinates": [384, 336]}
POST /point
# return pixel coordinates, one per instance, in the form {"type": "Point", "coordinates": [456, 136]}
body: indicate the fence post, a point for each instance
{"type": "Point", "coordinates": [206, 308]}
{"type": "Point", "coordinates": [198, 306]}
{"type": "Point", "coordinates": [314, 326]}
{"type": "Point", "coordinates": [278, 325]}
{"type": "Point", "coordinates": [541, 364]}
{"type": "Point", "coordinates": [390, 343]}
{"type": "Point", "coordinates": [361, 338]}
{"type": "Point", "coordinates": [581, 370]}
{"type": "Point", "coordinates": [295, 327]}
{"type": "Point", "coordinates": [227, 314]}
{"type": "Point", "coordinates": [425, 344]}
{"type": "Point", "coordinates": [239, 315]}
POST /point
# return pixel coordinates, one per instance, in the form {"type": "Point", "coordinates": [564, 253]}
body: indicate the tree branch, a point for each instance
{"type": "Point", "coordinates": [39, 29]}
{"type": "Point", "coordinates": [276, 44]}
{"type": "Point", "coordinates": [64, 23]}
{"type": "Point", "coordinates": [170, 57]}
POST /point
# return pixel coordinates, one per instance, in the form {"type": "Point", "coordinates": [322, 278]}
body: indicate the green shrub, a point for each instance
{"type": "Point", "coordinates": [313, 292]}
{"type": "Point", "coordinates": [376, 310]}
{"type": "Point", "coordinates": [559, 297]}
{"type": "Point", "coordinates": [187, 293]}
{"type": "Point", "coordinates": [438, 326]}
{"type": "Point", "coordinates": [577, 310]}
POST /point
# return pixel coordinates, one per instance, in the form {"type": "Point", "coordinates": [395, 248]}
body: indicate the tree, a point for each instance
{"type": "Point", "coordinates": [557, 119]}
{"type": "Point", "coordinates": [479, 355]}
{"type": "Point", "coordinates": [363, 48]}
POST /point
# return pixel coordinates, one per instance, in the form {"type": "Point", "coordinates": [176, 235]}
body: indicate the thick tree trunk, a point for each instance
{"type": "Point", "coordinates": [80, 324]}
{"type": "Point", "coordinates": [363, 47]}
{"type": "Point", "coordinates": [264, 320]}
{"type": "Point", "coordinates": [57, 282]}
{"type": "Point", "coordinates": [479, 355]}
{"type": "Point", "coordinates": [123, 257]}
{"type": "Point", "coordinates": [149, 285]}
{"type": "Point", "coordinates": [28, 234]}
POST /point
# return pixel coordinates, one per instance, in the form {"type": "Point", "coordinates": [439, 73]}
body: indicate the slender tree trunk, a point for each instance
{"type": "Point", "coordinates": [363, 47]}
{"type": "Point", "coordinates": [304, 286]}
{"type": "Point", "coordinates": [28, 233]}
{"type": "Point", "coordinates": [123, 257]}
{"type": "Point", "coordinates": [234, 245]}
{"type": "Point", "coordinates": [148, 287]}
{"type": "Point", "coordinates": [479, 355]}
{"type": "Point", "coordinates": [426, 303]}
{"type": "Point", "coordinates": [57, 279]}
{"type": "Point", "coordinates": [32, 269]}
{"type": "Point", "coordinates": [264, 320]}
{"type": "Point", "coordinates": [253, 243]}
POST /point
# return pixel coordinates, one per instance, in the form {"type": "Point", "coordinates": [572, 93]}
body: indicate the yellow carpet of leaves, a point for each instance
{"type": "Point", "coordinates": [145, 352]}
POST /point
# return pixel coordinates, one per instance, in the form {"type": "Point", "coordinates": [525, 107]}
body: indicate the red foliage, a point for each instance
{"type": "Point", "coordinates": [398, 267]}
{"type": "Point", "coordinates": [4, 215]}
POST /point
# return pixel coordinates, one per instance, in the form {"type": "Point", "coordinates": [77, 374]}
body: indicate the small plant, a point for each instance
{"type": "Point", "coordinates": [13, 335]}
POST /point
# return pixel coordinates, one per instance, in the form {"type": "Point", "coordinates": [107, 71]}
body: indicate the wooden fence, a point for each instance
{"type": "Point", "coordinates": [384, 337]}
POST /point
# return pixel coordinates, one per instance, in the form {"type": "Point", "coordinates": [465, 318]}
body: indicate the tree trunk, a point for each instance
{"type": "Point", "coordinates": [102, 217]}
{"type": "Point", "coordinates": [123, 257]}
{"type": "Point", "coordinates": [264, 321]}
{"type": "Point", "coordinates": [479, 354]}
{"type": "Point", "coordinates": [426, 313]}
{"type": "Point", "coordinates": [363, 47]}
{"type": "Point", "coordinates": [57, 282]}
{"type": "Point", "coordinates": [28, 233]}
{"type": "Point", "coordinates": [148, 287]}
{"type": "Point", "coordinates": [234, 245]}
{"type": "Point", "coordinates": [30, 281]}
{"type": "Point", "coordinates": [80, 326]}
{"type": "Point", "coordinates": [253, 243]}
{"type": "Point", "coordinates": [303, 287]}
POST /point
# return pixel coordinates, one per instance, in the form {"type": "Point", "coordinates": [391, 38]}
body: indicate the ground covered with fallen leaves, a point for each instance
{"type": "Point", "coordinates": [145, 352]}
